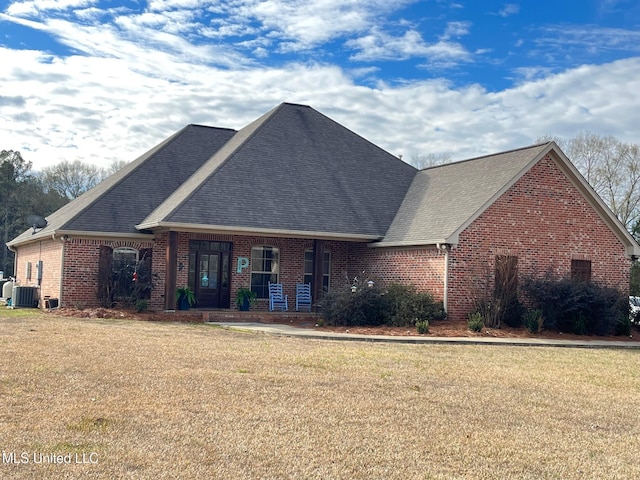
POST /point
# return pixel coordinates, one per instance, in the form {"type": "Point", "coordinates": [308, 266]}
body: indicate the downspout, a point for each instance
{"type": "Point", "coordinates": [443, 247]}
{"type": "Point", "coordinates": [15, 259]}
{"type": "Point", "coordinates": [62, 239]}
{"type": "Point", "coordinates": [446, 280]}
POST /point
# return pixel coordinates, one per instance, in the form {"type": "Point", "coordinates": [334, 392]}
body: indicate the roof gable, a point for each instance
{"type": "Point", "coordinates": [118, 203]}
{"type": "Point", "coordinates": [443, 200]}
{"type": "Point", "coordinates": [293, 170]}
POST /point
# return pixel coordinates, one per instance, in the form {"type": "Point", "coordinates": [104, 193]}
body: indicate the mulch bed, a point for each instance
{"type": "Point", "coordinates": [445, 328]}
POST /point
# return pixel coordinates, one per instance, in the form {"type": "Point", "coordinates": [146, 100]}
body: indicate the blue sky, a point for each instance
{"type": "Point", "coordinates": [106, 80]}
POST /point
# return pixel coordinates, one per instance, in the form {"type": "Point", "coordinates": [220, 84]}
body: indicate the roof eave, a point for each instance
{"type": "Point", "coordinates": [452, 240]}
{"type": "Point", "coordinates": [261, 232]}
{"type": "Point", "coordinates": [59, 234]}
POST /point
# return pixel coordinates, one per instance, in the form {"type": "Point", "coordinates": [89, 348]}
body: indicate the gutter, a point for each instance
{"type": "Point", "coordinates": [254, 231]}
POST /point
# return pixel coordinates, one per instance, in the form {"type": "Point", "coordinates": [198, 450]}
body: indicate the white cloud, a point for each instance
{"type": "Point", "coordinates": [101, 109]}
{"type": "Point", "coordinates": [32, 7]}
{"type": "Point", "coordinates": [306, 23]}
{"type": "Point", "coordinates": [509, 9]}
{"type": "Point", "coordinates": [456, 29]}
{"type": "Point", "coordinates": [380, 45]}
{"type": "Point", "coordinates": [581, 37]}
{"type": "Point", "coordinates": [140, 77]}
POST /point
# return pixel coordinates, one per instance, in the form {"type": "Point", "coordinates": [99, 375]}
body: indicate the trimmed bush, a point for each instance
{"type": "Point", "coordinates": [141, 306]}
{"type": "Point", "coordinates": [578, 307]}
{"type": "Point", "coordinates": [366, 306]}
{"type": "Point", "coordinates": [399, 306]}
{"type": "Point", "coordinates": [406, 306]}
{"type": "Point", "coordinates": [623, 326]}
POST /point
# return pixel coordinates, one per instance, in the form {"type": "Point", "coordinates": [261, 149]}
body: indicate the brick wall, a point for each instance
{"type": "Point", "coordinates": [50, 253]}
{"type": "Point", "coordinates": [544, 221]}
{"type": "Point", "coordinates": [421, 267]}
{"type": "Point", "coordinates": [80, 271]}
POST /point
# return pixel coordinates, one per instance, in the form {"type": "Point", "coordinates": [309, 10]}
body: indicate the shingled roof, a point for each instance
{"type": "Point", "coordinates": [443, 199]}
{"type": "Point", "coordinates": [117, 204]}
{"type": "Point", "coordinates": [295, 172]}
{"type": "Point", "coordinates": [292, 172]}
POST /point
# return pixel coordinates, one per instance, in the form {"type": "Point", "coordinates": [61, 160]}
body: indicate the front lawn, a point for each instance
{"type": "Point", "coordinates": [131, 399]}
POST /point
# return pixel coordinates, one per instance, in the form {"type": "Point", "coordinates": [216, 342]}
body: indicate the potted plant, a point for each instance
{"type": "Point", "coordinates": [185, 298]}
{"type": "Point", "coordinates": [245, 298]}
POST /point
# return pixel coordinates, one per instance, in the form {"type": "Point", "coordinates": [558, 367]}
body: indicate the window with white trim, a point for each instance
{"type": "Point", "coordinates": [265, 268]}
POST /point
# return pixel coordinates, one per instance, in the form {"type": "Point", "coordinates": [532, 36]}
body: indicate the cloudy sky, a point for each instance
{"type": "Point", "coordinates": [106, 80]}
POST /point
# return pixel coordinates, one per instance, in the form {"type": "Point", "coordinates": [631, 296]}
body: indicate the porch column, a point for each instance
{"type": "Point", "coordinates": [318, 265]}
{"type": "Point", "coordinates": [171, 272]}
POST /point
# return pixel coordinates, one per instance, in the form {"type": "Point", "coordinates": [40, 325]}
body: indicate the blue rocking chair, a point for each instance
{"type": "Point", "coordinates": [303, 297]}
{"type": "Point", "coordinates": [276, 298]}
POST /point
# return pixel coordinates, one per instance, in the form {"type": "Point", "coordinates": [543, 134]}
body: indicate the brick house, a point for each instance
{"type": "Point", "coordinates": [296, 197]}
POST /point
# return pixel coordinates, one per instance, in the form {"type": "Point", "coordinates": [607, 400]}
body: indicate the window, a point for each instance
{"type": "Point", "coordinates": [124, 274]}
{"type": "Point", "coordinates": [308, 268]}
{"type": "Point", "coordinates": [265, 268]}
{"type": "Point", "coordinates": [123, 267]}
{"type": "Point", "coordinates": [581, 270]}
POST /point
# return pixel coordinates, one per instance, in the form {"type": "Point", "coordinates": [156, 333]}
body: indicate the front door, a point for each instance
{"type": "Point", "coordinates": [210, 273]}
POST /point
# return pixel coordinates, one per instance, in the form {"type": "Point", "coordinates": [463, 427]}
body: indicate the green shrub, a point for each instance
{"type": "Point", "coordinates": [366, 306]}
{"type": "Point", "coordinates": [623, 325]}
{"type": "Point", "coordinates": [400, 305]}
{"type": "Point", "coordinates": [422, 327]}
{"type": "Point", "coordinates": [475, 323]}
{"type": "Point", "coordinates": [141, 306]}
{"type": "Point", "coordinates": [575, 306]}
{"type": "Point", "coordinates": [406, 306]}
{"type": "Point", "coordinates": [512, 313]}
{"type": "Point", "coordinates": [533, 320]}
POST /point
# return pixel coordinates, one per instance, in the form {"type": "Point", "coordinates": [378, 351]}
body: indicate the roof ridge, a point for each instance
{"type": "Point", "coordinates": [505, 152]}
{"type": "Point", "coordinates": [199, 125]}
{"type": "Point", "coordinates": [395, 157]}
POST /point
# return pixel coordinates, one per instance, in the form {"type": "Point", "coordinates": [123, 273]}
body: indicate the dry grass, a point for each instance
{"type": "Point", "coordinates": [152, 400]}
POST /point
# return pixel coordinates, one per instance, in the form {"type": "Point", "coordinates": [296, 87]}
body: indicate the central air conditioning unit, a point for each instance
{"type": "Point", "coordinates": [25, 297]}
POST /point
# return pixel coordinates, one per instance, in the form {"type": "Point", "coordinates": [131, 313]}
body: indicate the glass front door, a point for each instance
{"type": "Point", "coordinates": [209, 273]}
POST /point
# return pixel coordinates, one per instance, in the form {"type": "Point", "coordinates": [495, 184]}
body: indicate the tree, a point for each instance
{"type": "Point", "coordinates": [13, 176]}
{"type": "Point", "coordinates": [21, 195]}
{"type": "Point", "coordinates": [113, 167]}
{"type": "Point", "coordinates": [429, 160]}
{"type": "Point", "coordinates": [71, 179]}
